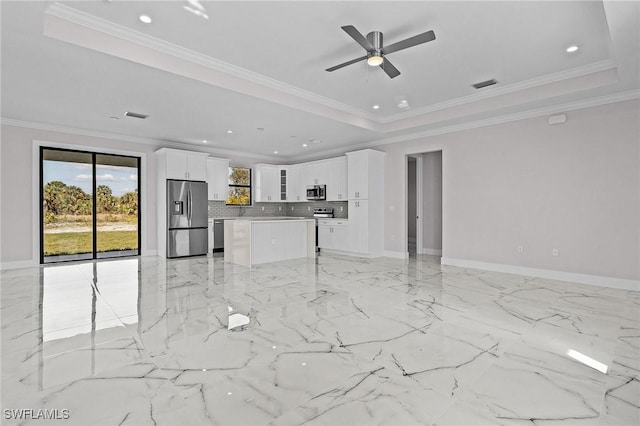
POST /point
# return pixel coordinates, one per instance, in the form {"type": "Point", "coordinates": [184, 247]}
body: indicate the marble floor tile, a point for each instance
{"type": "Point", "coordinates": [334, 340]}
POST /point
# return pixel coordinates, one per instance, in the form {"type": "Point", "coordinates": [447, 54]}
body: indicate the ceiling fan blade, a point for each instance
{"type": "Point", "coordinates": [388, 67]}
{"type": "Point", "coordinates": [409, 42]}
{"type": "Point", "coordinates": [359, 38]}
{"type": "Point", "coordinates": [353, 61]}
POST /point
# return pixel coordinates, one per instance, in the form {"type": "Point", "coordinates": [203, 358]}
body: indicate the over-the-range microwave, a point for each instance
{"type": "Point", "coordinates": [317, 192]}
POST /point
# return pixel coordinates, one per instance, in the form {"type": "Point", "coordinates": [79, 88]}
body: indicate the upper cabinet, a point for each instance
{"type": "Point", "coordinates": [336, 180]}
{"type": "Point", "coordinates": [267, 183]}
{"type": "Point", "coordinates": [296, 189]}
{"type": "Point", "coordinates": [218, 178]}
{"type": "Point", "coordinates": [185, 165]}
{"type": "Point", "coordinates": [364, 173]}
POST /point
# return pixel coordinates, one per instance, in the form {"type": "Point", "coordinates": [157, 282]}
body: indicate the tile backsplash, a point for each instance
{"type": "Point", "coordinates": [305, 209]}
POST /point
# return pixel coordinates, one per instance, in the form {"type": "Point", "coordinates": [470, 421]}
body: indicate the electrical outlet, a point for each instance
{"type": "Point", "coordinates": [308, 209]}
{"type": "Point", "coordinates": [520, 249]}
{"type": "Point", "coordinates": [273, 242]}
{"type": "Point", "coordinates": [279, 208]}
{"type": "Point", "coordinates": [341, 208]}
{"type": "Point", "coordinates": [555, 252]}
{"type": "Point", "coordinates": [291, 208]}
{"type": "Point", "coordinates": [262, 208]}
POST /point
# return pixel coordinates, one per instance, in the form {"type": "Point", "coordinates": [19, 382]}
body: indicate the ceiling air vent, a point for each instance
{"type": "Point", "coordinates": [485, 83]}
{"type": "Point", "coordinates": [135, 115]}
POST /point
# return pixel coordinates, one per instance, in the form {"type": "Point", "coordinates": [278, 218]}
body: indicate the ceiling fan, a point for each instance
{"type": "Point", "coordinates": [376, 51]}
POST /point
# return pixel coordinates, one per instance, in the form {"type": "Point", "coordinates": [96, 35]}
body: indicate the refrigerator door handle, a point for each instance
{"type": "Point", "coordinates": [190, 205]}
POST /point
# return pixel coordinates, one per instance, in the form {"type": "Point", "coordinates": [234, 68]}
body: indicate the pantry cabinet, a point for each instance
{"type": "Point", "coordinates": [366, 202]}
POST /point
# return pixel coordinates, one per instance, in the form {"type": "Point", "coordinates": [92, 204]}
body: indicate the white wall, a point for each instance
{"type": "Point", "coordinates": [574, 187]}
{"type": "Point", "coordinates": [19, 241]}
{"type": "Point", "coordinates": [19, 245]}
{"type": "Point", "coordinates": [432, 202]}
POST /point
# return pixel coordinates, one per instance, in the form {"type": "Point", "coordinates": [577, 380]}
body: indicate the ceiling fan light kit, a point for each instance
{"type": "Point", "coordinates": [376, 51]}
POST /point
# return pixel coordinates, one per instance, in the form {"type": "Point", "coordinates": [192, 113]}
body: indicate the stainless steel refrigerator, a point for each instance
{"type": "Point", "coordinates": [187, 218]}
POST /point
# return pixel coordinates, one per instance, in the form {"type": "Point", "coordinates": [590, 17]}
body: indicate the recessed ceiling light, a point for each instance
{"type": "Point", "coordinates": [275, 152]}
{"type": "Point", "coordinates": [376, 107]}
{"type": "Point", "coordinates": [315, 140]}
{"type": "Point", "coordinates": [145, 19]}
{"type": "Point", "coordinates": [572, 48]}
{"type": "Point", "coordinates": [113, 117]}
{"type": "Point", "coordinates": [305, 145]}
{"type": "Point", "coordinates": [260, 129]}
{"type": "Point", "coordinates": [403, 104]}
{"type": "Point", "coordinates": [204, 141]}
{"type": "Point", "coordinates": [229, 131]}
{"type": "Point", "coordinates": [293, 136]}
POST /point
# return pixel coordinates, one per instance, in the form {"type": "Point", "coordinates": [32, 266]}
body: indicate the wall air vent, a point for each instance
{"type": "Point", "coordinates": [485, 83]}
{"type": "Point", "coordinates": [135, 115]}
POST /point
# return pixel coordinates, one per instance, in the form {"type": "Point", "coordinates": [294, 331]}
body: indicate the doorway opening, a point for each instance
{"type": "Point", "coordinates": [89, 205]}
{"type": "Point", "coordinates": [424, 203]}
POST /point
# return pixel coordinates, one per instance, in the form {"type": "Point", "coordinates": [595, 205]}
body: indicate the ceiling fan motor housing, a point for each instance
{"type": "Point", "coordinates": [375, 39]}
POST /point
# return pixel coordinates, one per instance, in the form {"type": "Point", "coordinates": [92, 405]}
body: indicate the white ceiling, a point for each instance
{"type": "Point", "coordinates": [261, 65]}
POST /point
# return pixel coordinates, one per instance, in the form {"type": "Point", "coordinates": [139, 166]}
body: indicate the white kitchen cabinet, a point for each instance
{"type": "Point", "coordinates": [284, 181]}
{"type": "Point", "coordinates": [296, 189]}
{"type": "Point", "coordinates": [184, 164]}
{"type": "Point", "coordinates": [315, 173]}
{"type": "Point", "coordinates": [333, 234]}
{"type": "Point", "coordinates": [218, 178]}
{"type": "Point", "coordinates": [267, 183]}
{"type": "Point", "coordinates": [336, 179]}
{"type": "Point", "coordinates": [366, 202]}
{"type": "Point", "coordinates": [359, 226]}
{"type": "Point", "coordinates": [365, 174]}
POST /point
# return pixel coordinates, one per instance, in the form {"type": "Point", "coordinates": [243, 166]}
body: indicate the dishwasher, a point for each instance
{"type": "Point", "coordinates": [218, 235]}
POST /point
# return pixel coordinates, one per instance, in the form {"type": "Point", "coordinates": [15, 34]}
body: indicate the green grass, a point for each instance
{"type": "Point", "coordinates": [81, 242]}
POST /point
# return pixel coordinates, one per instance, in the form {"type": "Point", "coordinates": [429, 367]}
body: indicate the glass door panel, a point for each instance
{"type": "Point", "coordinates": [117, 224]}
{"type": "Point", "coordinates": [67, 205]}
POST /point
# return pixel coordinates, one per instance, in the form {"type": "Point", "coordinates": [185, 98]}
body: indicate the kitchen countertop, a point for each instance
{"type": "Point", "coordinates": [260, 218]}
{"type": "Point", "coordinates": [273, 219]}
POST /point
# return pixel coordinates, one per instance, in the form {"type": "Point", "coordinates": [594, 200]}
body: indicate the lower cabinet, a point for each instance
{"type": "Point", "coordinates": [359, 226]}
{"type": "Point", "coordinates": [333, 235]}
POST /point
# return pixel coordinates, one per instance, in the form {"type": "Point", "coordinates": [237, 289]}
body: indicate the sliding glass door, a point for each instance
{"type": "Point", "coordinates": [90, 205]}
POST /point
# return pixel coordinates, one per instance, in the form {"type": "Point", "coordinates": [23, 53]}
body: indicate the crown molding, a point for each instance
{"type": "Point", "coordinates": [506, 118]}
{"type": "Point", "coordinates": [592, 68]}
{"type": "Point", "coordinates": [502, 119]}
{"type": "Point", "coordinates": [98, 24]}
{"type": "Point", "coordinates": [312, 102]}
{"type": "Point", "coordinates": [159, 143]}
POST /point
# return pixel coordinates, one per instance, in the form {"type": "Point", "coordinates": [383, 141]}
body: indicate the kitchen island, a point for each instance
{"type": "Point", "coordinates": [256, 240]}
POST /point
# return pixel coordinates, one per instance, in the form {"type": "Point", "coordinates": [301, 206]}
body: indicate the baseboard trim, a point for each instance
{"type": "Point", "coordinates": [396, 254]}
{"type": "Point", "coordinates": [150, 253]}
{"type": "Point", "coordinates": [596, 280]}
{"type": "Point", "coordinates": [432, 251]}
{"type": "Point", "coordinates": [4, 266]}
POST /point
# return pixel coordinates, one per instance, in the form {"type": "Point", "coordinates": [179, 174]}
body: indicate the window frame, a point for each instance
{"type": "Point", "coordinates": [233, 185]}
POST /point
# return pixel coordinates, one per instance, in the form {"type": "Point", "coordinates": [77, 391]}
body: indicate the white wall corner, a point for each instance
{"type": "Point", "coordinates": [619, 283]}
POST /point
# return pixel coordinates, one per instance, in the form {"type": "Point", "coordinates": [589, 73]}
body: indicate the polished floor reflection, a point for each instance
{"type": "Point", "coordinates": [331, 341]}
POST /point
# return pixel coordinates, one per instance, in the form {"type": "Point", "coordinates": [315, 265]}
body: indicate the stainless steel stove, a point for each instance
{"type": "Point", "coordinates": [322, 213]}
